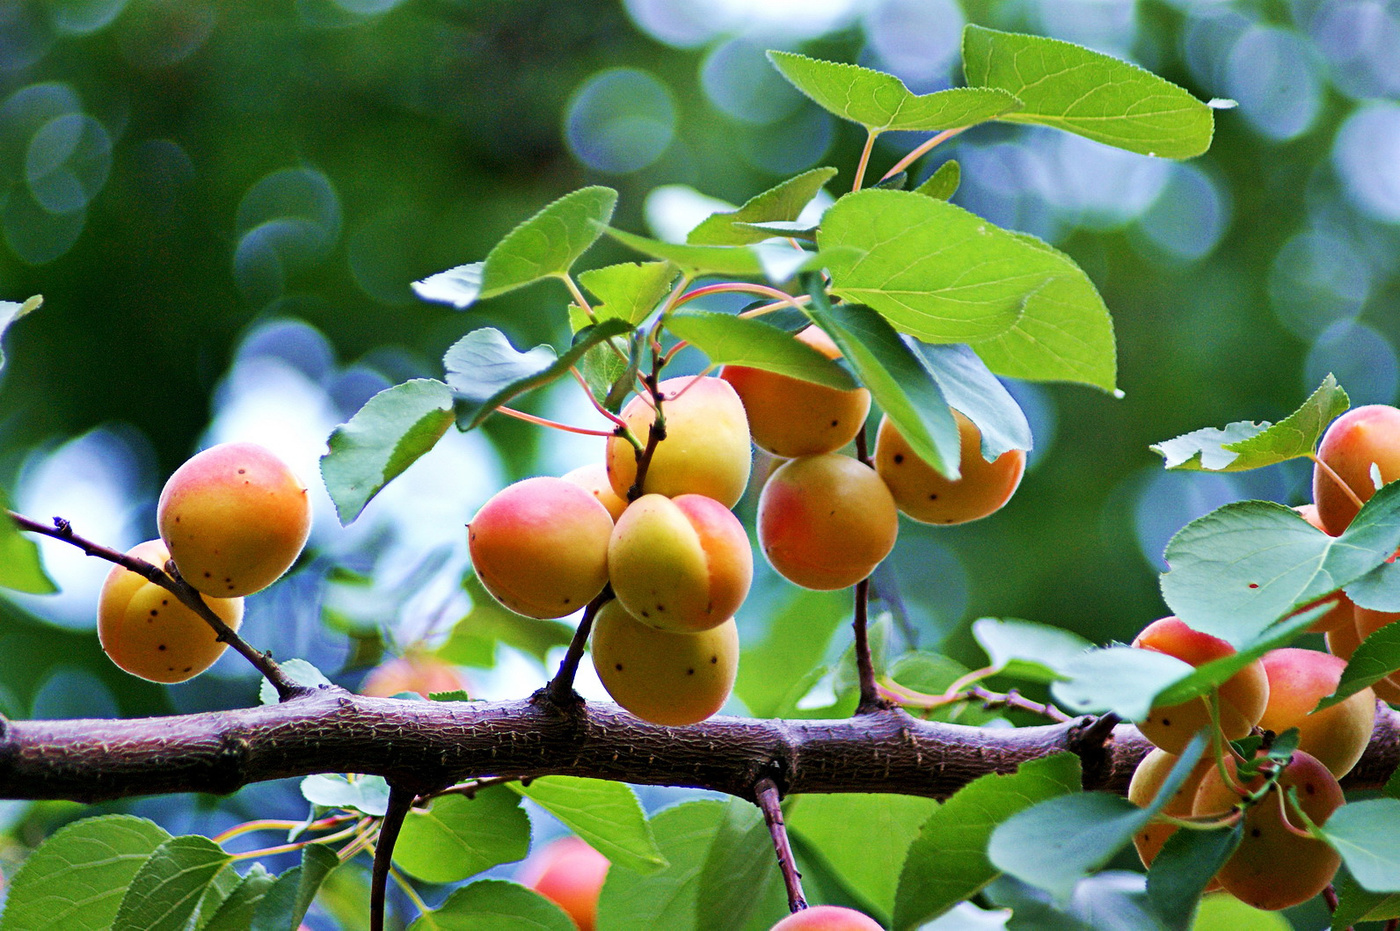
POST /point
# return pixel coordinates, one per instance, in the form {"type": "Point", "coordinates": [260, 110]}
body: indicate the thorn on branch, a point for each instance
{"type": "Point", "coordinates": [768, 799]}
{"type": "Point", "coordinates": [400, 801]}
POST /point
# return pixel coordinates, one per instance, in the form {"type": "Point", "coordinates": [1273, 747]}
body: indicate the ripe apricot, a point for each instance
{"type": "Point", "coordinates": [931, 498]}
{"type": "Point", "coordinates": [706, 449]}
{"type": "Point", "coordinates": [1367, 622]}
{"type": "Point", "coordinates": [1340, 614]}
{"type": "Point", "coordinates": [681, 564]}
{"type": "Point", "coordinates": [593, 478]}
{"type": "Point", "coordinates": [827, 918]}
{"type": "Point", "coordinates": [790, 417]}
{"type": "Point", "coordinates": [570, 874]}
{"type": "Point", "coordinates": [540, 546]}
{"type": "Point", "coordinates": [1298, 680]}
{"type": "Point", "coordinates": [825, 522]}
{"type": "Point", "coordinates": [1273, 867]}
{"type": "Point", "coordinates": [413, 672]}
{"type": "Point", "coordinates": [1146, 782]}
{"type": "Point", "coordinates": [663, 677]}
{"type": "Point", "coordinates": [1242, 697]}
{"type": "Point", "coordinates": [152, 634]}
{"type": "Point", "coordinates": [235, 518]}
{"type": "Point", "coordinates": [1362, 437]}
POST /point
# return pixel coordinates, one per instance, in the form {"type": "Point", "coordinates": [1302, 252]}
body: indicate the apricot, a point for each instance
{"type": "Point", "coordinates": [149, 632]}
{"type": "Point", "coordinates": [1273, 867]}
{"type": "Point", "coordinates": [1242, 697]}
{"type": "Point", "coordinates": [1340, 614]}
{"type": "Point", "coordinates": [1362, 437]}
{"type": "Point", "coordinates": [413, 672]}
{"type": "Point", "coordinates": [790, 417]}
{"type": "Point", "coordinates": [681, 564]}
{"type": "Point", "coordinates": [706, 450]}
{"type": "Point", "coordinates": [570, 874]}
{"type": "Point", "coordinates": [593, 478]}
{"type": "Point", "coordinates": [540, 546]}
{"type": "Point", "coordinates": [1298, 680]}
{"type": "Point", "coordinates": [827, 918]}
{"type": "Point", "coordinates": [931, 498]}
{"type": "Point", "coordinates": [1367, 622]}
{"type": "Point", "coordinates": [235, 518]}
{"type": "Point", "coordinates": [1146, 782]}
{"type": "Point", "coordinates": [825, 522]}
{"type": "Point", "coordinates": [660, 676]}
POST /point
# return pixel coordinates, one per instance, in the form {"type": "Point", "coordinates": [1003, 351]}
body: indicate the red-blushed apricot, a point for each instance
{"type": "Point", "coordinates": [825, 522]}
{"type": "Point", "coordinates": [235, 518]}
{"type": "Point", "coordinates": [1354, 442]}
{"type": "Point", "coordinates": [929, 497]}
{"type": "Point", "coordinates": [1298, 680]}
{"type": "Point", "coordinates": [593, 478]}
{"type": "Point", "coordinates": [1242, 697]}
{"type": "Point", "coordinates": [1273, 867]}
{"type": "Point", "coordinates": [413, 672]}
{"type": "Point", "coordinates": [681, 564]}
{"type": "Point", "coordinates": [790, 417]}
{"type": "Point", "coordinates": [663, 677]}
{"type": "Point", "coordinates": [149, 632]}
{"type": "Point", "coordinates": [1340, 614]}
{"type": "Point", "coordinates": [828, 918]}
{"type": "Point", "coordinates": [570, 874]}
{"type": "Point", "coordinates": [540, 546]}
{"type": "Point", "coordinates": [1146, 782]}
{"type": "Point", "coordinates": [706, 450]}
{"type": "Point", "coordinates": [1366, 623]}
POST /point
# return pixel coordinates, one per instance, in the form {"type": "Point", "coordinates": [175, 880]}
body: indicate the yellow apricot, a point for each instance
{"type": "Point", "coordinates": [663, 677]}
{"type": "Point", "coordinates": [681, 564]}
{"type": "Point", "coordinates": [825, 522]}
{"type": "Point", "coordinates": [706, 449]}
{"type": "Point", "coordinates": [593, 478]}
{"type": "Point", "coordinates": [929, 497]}
{"type": "Point", "coordinates": [1146, 782]}
{"type": "Point", "coordinates": [540, 546]}
{"type": "Point", "coordinates": [1361, 438]}
{"type": "Point", "coordinates": [235, 518]}
{"type": "Point", "coordinates": [149, 632]}
{"type": "Point", "coordinates": [1298, 680]}
{"type": "Point", "coordinates": [790, 417]}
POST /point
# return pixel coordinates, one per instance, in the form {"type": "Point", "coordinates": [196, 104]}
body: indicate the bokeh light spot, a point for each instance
{"type": "Point", "coordinates": [1273, 73]}
{"type": "Point", "coordinates": [1316, 280]}
{"type": "Point", "coordinates": [1366, 154]}
{"type": "Point", "coordinates": [741, 82]}
{"type": "Point", "coordinates": [1363, 360]}
{"type": "Point", "coordinates": [916, 40]}
{"type": "Point", "coordinates": [620, 120]}
{"type": "Point", "coordinates": [1189, 216]}
{"type": "Point", "coordinates": [67, 162]}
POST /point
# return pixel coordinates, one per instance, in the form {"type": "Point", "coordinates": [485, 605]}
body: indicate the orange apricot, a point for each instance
{"type": "Point", "coordinates": [1359, 439]}
{"type": "Point", "coordinates": [413, 672]}
{"type": "Point", "coordinates": [593, 478]}
{"type": "Point", "coordinates": [569, 873]}
{"type": "Point", "coordinates": [931, 498]}
{"type": "Point", "coordinates": [1146, 782]}
{"type": "Point", "coordinates": [827, 918]}
{"type": "Point", "coordinates": [1298, 680]}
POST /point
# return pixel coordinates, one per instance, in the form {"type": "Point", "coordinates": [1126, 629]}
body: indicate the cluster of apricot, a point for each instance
{"type": "Point", "coordinates": [232, 519]}
{"type": "Point", "coordinates": [678, 561]}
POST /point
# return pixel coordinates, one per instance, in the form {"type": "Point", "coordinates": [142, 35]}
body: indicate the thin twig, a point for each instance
{"type": "Point", "coordinates": [908, 699]}
{"type": "Point", "coordinates": [470, 788]}
{"type": "Point", "coordinates": [560, 690]}
{"type": "Point", "coordinates": [870, 700]}
{"type": "Point", "coordinates": [767, 797]}
{"type": "Point", "coordinates": [400, 801]}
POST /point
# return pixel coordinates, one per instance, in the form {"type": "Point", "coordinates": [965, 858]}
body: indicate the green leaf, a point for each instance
{"type": "Point", "coordinates": [1184, 867]}
{"type": "Point", "coordinates": [1357, 904]}
{"type": "Point", "coordinates": [1248, 445]}
{"type": "Point", "coordinates": [731, 340]}
{"type": "Point", "coordinates": [740, 880]}
{"type": "Point", "coordinates": [21, 565]}
{"type": "Point", "coordinates": [459, 837]}
{"type": "Point", "coordinates": [366, 794]}
{"type": "Point", "coordinates": [485, 371]}
{"type": "Point", "coordinates": [1367, 835]}
{"type": "Point", "coordinates": [771, 679]}
{"type": "Point", "coordinates": [1378, 589]}
{"type": "Point", "coordinates": [284, 905]}
{"type": "Point", "coordinates": [75, 880]}
{"type": "Point", "coordinates": [1377, 657]}
{"type": "Point", "coordinates": [780, 204]}
{"type": "Point", "coordinates": [880, 101]}
{"type": "Point", "coordinates": [235, 912]}
{"type": "Point", "coordinates": [474, 638]}
{"type": "Point", "coordinates": [299, 671]}
{"type": "Point", "coordinates": [943, 183]}
{"type": "Point", "coordinates": [548, 243]}
{"type": "Point", "coordinates": [495, 905]}
{"type": "Point", "coordinates": [1094, 95]}
{"type": "Point", "coordinates": [629, 291]}
{"type": "Point", "coordinates": [11, 311]}
{"type": "Point", "coordinates": [898, 379]}
{"type": "Point", "coordinates": [948, 861]}
{"type": "Point", "coordinates": [1026, 650]}
{"type": "Point", "coordinates": [606, 814]}
{"type": "Point", "coordinates": [739, 261]}
{"type": "Point", "coordinates": [167, 889]}
{"type": "Point", "coordinates": [869, 870]}
{"type": "Point", "coordinates": [1243, 565]}
{"type": "Point", "coordinates": [971, 388]}
{"type": "Point", "coordinates": [1224, 912]}
{"type": "Point", "coordinates": [385, 437]}
{"type": "Point", "coordinates": [459, 286]}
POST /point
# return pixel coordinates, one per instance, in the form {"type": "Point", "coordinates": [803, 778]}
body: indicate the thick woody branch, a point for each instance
{"type": "Point", "coordinates": [424, 746]}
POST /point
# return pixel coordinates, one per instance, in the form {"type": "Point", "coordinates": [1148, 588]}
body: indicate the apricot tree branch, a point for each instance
{"type": "Point", "coordinates": [766, 795]}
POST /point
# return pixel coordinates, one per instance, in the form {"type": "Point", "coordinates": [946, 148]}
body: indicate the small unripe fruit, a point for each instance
{"type": "Point", "coordinates": [790, 417]}
{"type": "Point", "coordinates": [931, 498]}
{"type": "Point", "coordinates": [235, 518]}
{"type": "Point", "coordinates": [662, 677]}
{"type": "Point", "coordinates": [681, 564]}
{"type": "Point", "coordinates": [415, 672]}
{"type": "Point", "coordinates": [825, 522]}
{"type": "Point", "coordinates": [1298, 680]}
{"type": "Point", "coordinates": [570, 874]}
{"type": "Point", "coordinates": [1147, 781]}
{"type": "Point", "coordinates": [828, 918]}
{"type": "Point", "coordinates": [540, 546]}
{"type": "Point", "coordinates": [593, 478]}
{"type": "Point", "coordinates": [1362, 437]}
{"type": "Point", "coordinates": [1242, 697]}
{"type": "Point", "coordinates": [706, 449]}
{"type": "Point", "coordinates": [149, 632]}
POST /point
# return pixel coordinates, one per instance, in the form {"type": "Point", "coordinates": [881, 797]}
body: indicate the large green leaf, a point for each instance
{"type": "Point", "coordinates": [366, 794]}
{"type": "Point", "coordinates": [167, 889]}
{"type": "Point", "coordinates": [21, 565]}
{"type": "Point", "coordinates": [75, 880]}
{"type": "Point", "coordinates": [1377, 657]}
{"type": "Point", "coordinates": [1249, 445]}
{"type": "Point", "coordinates": [972, 389]}
{"type": "Point", "coordinates": [773, 676]}
{"type": "Point", "coordinates": [779, 204]}
{"type": "Point", "coordinates": [629, 290]}
{"type": "Point", "coordinates": [385, 437]}
{"type": "Point", "coordinates": [548, 243]}
{"type": "Point", "coordinates": [880, 101]}
{"type": "Point", "coordinates": [730, 340]}
{"type": "Point", "coordinates": [10, 311]}
{"type": "Point", "coordinates": [459, 837]}
{"type": "Point", "coordinates": [1357, 904]}
{"type": "Point", "coordinates": [606, 814]}
{"type": "Point", "coordinates": [1367, 835]}
{"type": "Point", "coordinates": [948, 861]}
{"type": "Point", "coordinates": [1082, 91]}
{"type": "Point", "coordinates": [1026, 650]}
{"type": "Point", "coordinates": [1184, 867]}
{"type": "Point", "coordinates": [740, 883]}
{"type": "Point", "coordinates": [235, 911]}
{"type": "Point", "coordinates": [286, 902]}
{"type": "Point", "coordinates": [495, 905]}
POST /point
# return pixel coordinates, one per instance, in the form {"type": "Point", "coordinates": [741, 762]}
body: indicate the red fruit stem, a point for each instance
{"type": "Point", "coordinates": [552, 424]}
{"type": "Point", "coordinates": [560, 690]}
{"type": "Point", "coordinates": [781, 298]}
{"type": "Point", "coordinates": [578, 377]}
{"type": "Point", "coordinates": [1331, 473]}
{"type": "Point", "coordinates": [400, 801]}
{"type": "Point", "coordinates": [922, 149]}
{"type": "Point", "coordinates": [767, 798]}
{"type": "Point", "coordinates": [870, 135]}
